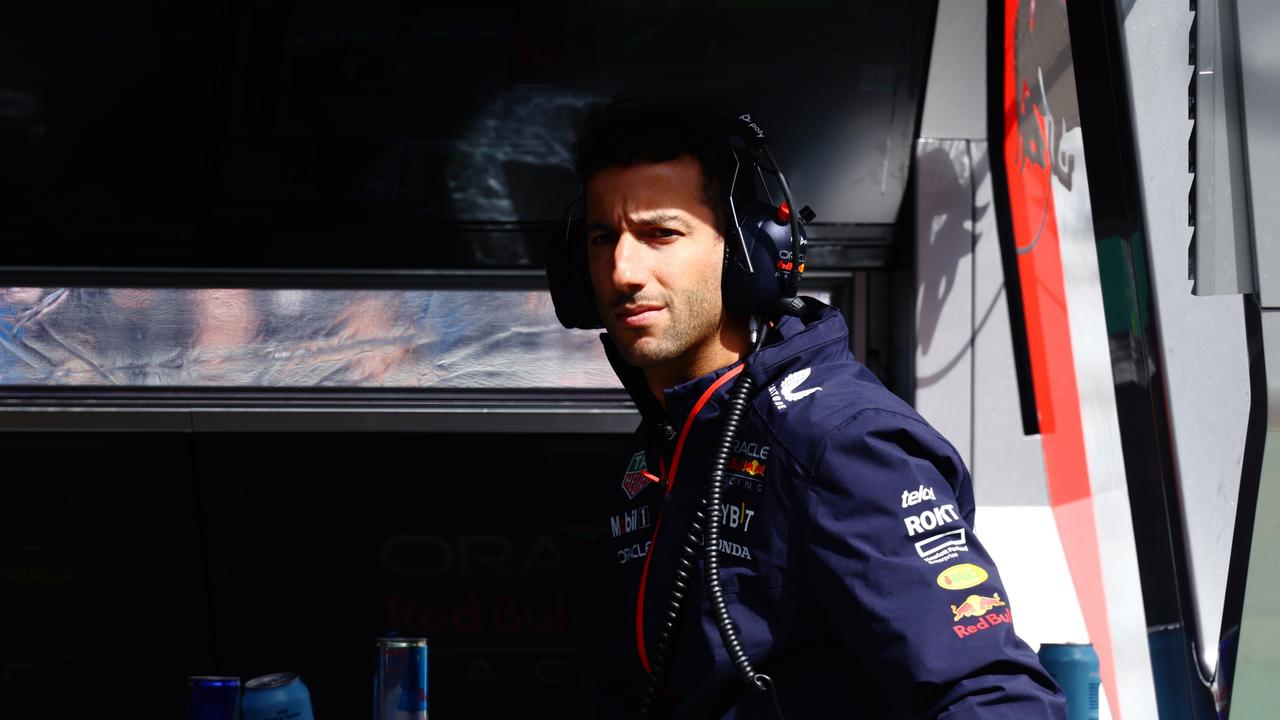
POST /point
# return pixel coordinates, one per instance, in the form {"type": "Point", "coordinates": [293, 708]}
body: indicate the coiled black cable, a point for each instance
{"type": "Point", "coordinates": [709, 540]}
{"type": "Point", "coordinates": [679, 591]}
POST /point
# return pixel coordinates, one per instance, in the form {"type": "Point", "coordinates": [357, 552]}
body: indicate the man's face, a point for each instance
{"type": "Point", "coordinates": [655, 257]}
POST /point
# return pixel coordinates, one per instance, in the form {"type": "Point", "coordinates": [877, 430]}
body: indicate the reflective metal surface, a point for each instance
{"type": "Point", "coordinates": [1221, 252]}
{"type": "Point", "coordinates": [1259, 33]}
{"type": "Point", "coordinates": [1201, 340]}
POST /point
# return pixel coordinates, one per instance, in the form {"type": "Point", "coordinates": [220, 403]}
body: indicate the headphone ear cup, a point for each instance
{"type": "Point", "coordinates": [755, 288]}
{"type": "Point", "coordinates": [568, 277]}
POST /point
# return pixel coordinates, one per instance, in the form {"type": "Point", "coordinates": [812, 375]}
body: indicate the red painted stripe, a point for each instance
{"type": "Point", "coordinates": [1053, 372]}
{"type": "Point", "coordinates": [671, 482]}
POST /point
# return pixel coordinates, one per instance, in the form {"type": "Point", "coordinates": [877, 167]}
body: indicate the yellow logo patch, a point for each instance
{"type": "Point", "coordinates": [961, 577]}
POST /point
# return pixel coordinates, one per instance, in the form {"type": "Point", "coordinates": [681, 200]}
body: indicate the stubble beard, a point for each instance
{"type": "Point", "coordinates": [691, 323]}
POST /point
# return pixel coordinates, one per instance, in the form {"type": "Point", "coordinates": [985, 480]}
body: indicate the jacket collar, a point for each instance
{"type": "Point", "coordinates": [818, 336]}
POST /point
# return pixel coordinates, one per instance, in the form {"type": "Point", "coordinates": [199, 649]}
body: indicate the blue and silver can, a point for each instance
{"type": "Point", "coordinates": [278, 696]}
{"type": "Point", "coordinates": [400, 682]}
{"type": "Point", "coordinates": [1075, 667]}
{"type": "Point", "coordinates": [211, 697]}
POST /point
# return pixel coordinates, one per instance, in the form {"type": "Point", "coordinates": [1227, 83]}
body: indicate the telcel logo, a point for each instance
{"type": "Point", "coordinates": [915, 497]}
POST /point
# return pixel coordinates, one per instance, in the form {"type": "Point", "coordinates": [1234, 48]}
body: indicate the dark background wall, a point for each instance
{"type": "Point", "coordinates": [128, 563]}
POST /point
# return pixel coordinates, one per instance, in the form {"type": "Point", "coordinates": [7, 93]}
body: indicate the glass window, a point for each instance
{"type": "Point", "coordinates": [252, 338]}
{"type": "Point", "coordinates": [293, 338]}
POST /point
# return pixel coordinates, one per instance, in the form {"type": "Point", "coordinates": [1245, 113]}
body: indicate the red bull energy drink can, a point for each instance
{"type": "Point", "coordinates": [212, 697]}
{"type": "Point", "coordinates": [278, 696]}
{"type": "Point", "coordinates": [400, 679]}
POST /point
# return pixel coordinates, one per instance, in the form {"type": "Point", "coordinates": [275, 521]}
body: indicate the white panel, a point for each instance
{"type": "Point", "coordinates": [1103, 455]}
{"type": "Point", "coordinates": [955, 100]}
{"type": "Point", "coordinates": [1025, 545]}
{"type": "Point", "coordinates": [944, 289]}
{"type": "Point", "coordinates": [1007, 466]}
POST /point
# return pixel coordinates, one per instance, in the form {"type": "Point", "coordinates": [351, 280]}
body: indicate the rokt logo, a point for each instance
{"type": "Point", "coordinates": [930, 519]}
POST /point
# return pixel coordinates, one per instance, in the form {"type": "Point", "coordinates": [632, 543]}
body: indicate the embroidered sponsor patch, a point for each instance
{"type": "Point", "coordinates": [961, 577]}
{"type": "Point", "coordinates": [736, 516]}
{"type": "Point", "coordinates": [637, 477]}
{"type": "Point", "coordinates": [634, 552]}
{"type": "Point", "coordinates": [747, 466]}
{"type": "Point", "coordinates": [788, 391]}
{"type": "Point", "coordinates": [975, 606]}
{"type": "Point", "coordinates": [734, 549]}
{"type": "Point", "coordinates": [943, 547]}
{"type": "Point", "coordinates": [630, 521]}
{"type": "Point", "coordinates": [930, 519]}
{"type": "Point", "coordinates": [915, 497]}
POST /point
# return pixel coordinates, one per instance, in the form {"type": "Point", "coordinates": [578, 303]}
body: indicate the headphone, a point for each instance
{"type": "Point", "coordinates": [763, 260]}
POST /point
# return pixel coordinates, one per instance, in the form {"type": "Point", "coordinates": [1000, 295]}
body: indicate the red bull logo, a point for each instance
{"type": "Point", "coordinates": [788, 265]}
{"type": "Point", "coordinates": [746, 466]}
{"type": "Point", "coordinates": [976, 606]}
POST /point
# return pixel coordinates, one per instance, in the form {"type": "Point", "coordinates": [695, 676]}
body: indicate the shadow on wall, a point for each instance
{"type": "Point", "coordinates": [944, 177]}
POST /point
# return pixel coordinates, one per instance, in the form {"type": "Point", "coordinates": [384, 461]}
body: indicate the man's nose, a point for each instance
{"type": "Point", "coordinates": [629, 263]}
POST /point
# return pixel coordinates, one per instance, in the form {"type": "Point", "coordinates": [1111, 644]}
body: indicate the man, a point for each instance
{"type": "Point", "coordinates": [847, 552]}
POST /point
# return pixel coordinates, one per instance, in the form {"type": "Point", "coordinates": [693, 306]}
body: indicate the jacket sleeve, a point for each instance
{"type": "Point", "coordinates": [894, 564]}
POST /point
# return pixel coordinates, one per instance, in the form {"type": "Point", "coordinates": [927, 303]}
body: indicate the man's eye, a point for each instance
{"type": "Point", "coordinates": [598, 239]}
{"type": "Point", "coordinates": [665, 232]}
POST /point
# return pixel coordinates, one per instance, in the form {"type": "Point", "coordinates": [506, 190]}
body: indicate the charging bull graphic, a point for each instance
{"type": "Point", "coordinates": [1046, 86]}
{"type": "Point", "coordinates": [976, 606]}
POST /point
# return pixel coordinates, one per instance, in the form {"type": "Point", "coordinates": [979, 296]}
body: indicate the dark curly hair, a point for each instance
{"type": "Point", "coordinates": [626, 131]}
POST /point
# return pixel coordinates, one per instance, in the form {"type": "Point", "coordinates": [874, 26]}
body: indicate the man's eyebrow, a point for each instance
{"type": "Point", "coordinates": [660, 218]}
{"type": "Point", "coordinates": [650, 218]}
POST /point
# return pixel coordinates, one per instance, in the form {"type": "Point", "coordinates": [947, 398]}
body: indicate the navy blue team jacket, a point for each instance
{"type": "Point", "coordinates": [847, 551]}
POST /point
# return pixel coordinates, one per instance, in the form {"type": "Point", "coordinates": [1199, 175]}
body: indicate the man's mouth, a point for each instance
{"type": "Point", "coordinates": [636, 316]}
